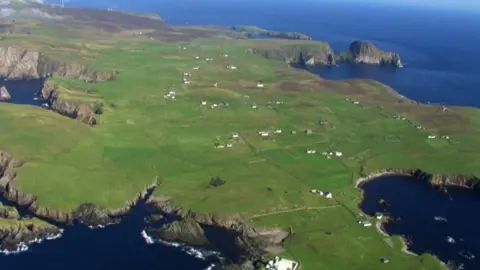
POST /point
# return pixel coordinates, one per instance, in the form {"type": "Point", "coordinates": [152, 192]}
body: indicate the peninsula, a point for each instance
{"type": "Point", "coordinates": [228, 135]}
{"type": "Point", "coordinates": [252, 31]}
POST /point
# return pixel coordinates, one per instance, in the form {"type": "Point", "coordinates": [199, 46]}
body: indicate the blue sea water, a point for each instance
{"type": "Point", "coordinates": [439, 47]}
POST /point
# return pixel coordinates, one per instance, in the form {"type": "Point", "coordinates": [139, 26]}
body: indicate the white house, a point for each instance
{"type": "Point", "coordinates": [311, 151]}
{"type": "Point", "coordinates": [235, 136]}
{"type": "Point", "coordinates": [220, 146]}
{"type": "Point", "coordinates": [172, 93]}
{"type": "Point", "coordinates": [282, 264]}
{"type": "Point", "coordinates": [365, 223]}
{"type": "Point", "coordinates": [229, 145]}
{"type": "Point", "coordinates": [432, 136]}
{"type": "Point", "coordinates": [186, 74]}
{"type": "Point", "coordinates": [446, 137]}
{"type": "Point", "coordinates": [225, 55]}
{"type": "Point", "coordinates": [231, 67]}
{"type": "Point", "coordinates": [196, 68]}
{"type": "Point", "coordinates": [356, 102]}
{"type": "Point", "coordinates": [208, 59]}
{"type": "Point", "coordinates": [328, 195]}
{"type": "Point", "coordinates": [187, 82]}
{"type": "Point", "coordinates": [254, 106]}
{"type": "Point", "coordinates": [379, 216]}
{"type": "Point", "coordinates": [278, 131]}
{"type": "Point", "coordinates": [260, 85]}
{"type": "Point", "coordinates": [338, 154]}
{"type": "Point", "coordinates": [215, 85]}
{"type": "Point", "coordinates": [264, 133]}
{"type": "Point", "coordinates": [204, 103]}
{"type": "Point", "coordinates": [197, 57]}
{"type": "Point", "coordinates": [214, 106]}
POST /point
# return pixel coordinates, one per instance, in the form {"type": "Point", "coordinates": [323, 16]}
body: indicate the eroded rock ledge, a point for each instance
{"type": "Point", "coordinates": [20, 63]}
{"type": "Point", "coordinates": [84, 112]}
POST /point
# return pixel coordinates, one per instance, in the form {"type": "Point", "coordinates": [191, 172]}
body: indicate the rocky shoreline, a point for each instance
{"type": "Point", "coordinates": [51, 220]}
{"type": "Point", "coordinates": [242, 243]}
{"type": "Point", "coordinates": [84, 112]}
{"type": "Point", "coordinates": [440, 181]}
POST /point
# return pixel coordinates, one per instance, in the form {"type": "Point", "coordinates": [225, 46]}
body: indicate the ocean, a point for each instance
{"type": "Point", "coordinates": [439, 48]}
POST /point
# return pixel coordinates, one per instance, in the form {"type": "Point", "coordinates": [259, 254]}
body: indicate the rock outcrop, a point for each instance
{"type": "Point", "coordinates": [25, 232]}
{"type": "Point", "coordinates": [20, 63]}
{"type": "Point", "coordinates": [365, 52]}
{"type": "Point", "coordinates": [244, 242]}
{"type": "Point", "coordinates": [4, 94]}
{"type": "Point", "coordinates": [300, 54]}
{"type": "Point", "coordinates": [80, 111]}
{"type": "Point", "coordinates": [321, 54]}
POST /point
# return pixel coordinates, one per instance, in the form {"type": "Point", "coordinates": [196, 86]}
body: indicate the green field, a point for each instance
{"type": "Point", "coordinates": [141, 136]}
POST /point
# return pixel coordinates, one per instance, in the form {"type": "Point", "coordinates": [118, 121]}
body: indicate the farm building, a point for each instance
{"type": "Point", "coordinates": [281, 264]}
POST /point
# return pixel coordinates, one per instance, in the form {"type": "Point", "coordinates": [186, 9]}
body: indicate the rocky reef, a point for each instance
{"type": "Point", "coordinates": [4, 94]}
{"type": "Point", "coordinates": [319, 53]}
{"type": "Point", "coordinates": [13, 237]}
{"type": "Point", "coordinates": [20, 63]}
{"type": "Point", "coordinates": [84, 112]}
{"type": "Point", "coordinates": [234, 235]}
{"type": "Point", "coordinates": [365, 52]}
{"type": "Point", "coordinates": [251, 31]}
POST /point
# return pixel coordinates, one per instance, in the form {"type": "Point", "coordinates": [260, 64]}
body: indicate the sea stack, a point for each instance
{"type": "Point", "coordinates": [4, 95]}
{"type": "Point", "coordinates": [365, 52]}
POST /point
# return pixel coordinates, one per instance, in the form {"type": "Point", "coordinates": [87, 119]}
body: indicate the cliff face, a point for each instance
{"type": "Point", "coordinates": [245, 242]}
{"type": "Point", "coordinates": [364, 52]}
{"type": "Point", "coordinates": [321, 54]}
{"type": "Point", "coordinates": [301, 55]}
{"type": "Point", "coordinates": [19, 63]}
{"type": "Point", "coordinates": [4, 94]}
{"type": "Point", "coordinates": [80, 111]}
{"type": "Point", "coordinates": [440, 181]}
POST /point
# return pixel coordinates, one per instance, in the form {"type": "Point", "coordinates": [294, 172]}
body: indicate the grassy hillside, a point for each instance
{"type": "Point", "coordinates": [141, 136]}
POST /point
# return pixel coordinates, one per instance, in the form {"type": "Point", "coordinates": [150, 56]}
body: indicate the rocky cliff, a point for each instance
{"type": "Point", "coordinates": [365, 52]}
{"type": "Point", "coordinates": [321, 54]}
{"type": "Point", "coordinates": [440, 181]}
{"type": "Point", "coordinates": [299, 54]}
{"type": "Point", "coordinates": [4, 94]}
{"type": "Point", "coordinates": [81, 111]}
{"type": "Point", "coordinates": [26, 231]}
{"type": "Point", "coordinates": [243, 241]}
{"type": "Point", "coordinates": [19, 63]}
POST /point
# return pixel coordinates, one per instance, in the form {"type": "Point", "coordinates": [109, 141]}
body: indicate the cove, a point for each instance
{"type": "Point", "coordinates": [117, 246]}
{"type": "Point", "coordinates": [431, 221]}
{"type": "Point", "coordinates": [24, 92]}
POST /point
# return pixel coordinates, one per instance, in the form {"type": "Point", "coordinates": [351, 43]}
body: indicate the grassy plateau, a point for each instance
{"type": "Point", "coordinates": [142, 135]}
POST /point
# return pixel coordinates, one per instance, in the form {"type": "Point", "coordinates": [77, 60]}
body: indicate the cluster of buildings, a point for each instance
{"type": "Point", "coordinates": [326, 194]}
{"type": "Point", "coordinates": [281, 264]}
{"type": "Point", "coordinates": [353, 101]}
{"type": "Point", "coordinates": [169, 95]}
{"type": "Point", "coordinates": [329, 155]}
{"type": "Point", "coordinates": [185, 79]}
{"type": "Point", "coordinates": [266, 133]}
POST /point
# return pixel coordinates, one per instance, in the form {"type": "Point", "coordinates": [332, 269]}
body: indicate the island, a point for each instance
{"type": "Point", "coordinates": [224, 137]}
{"type": "Point", "coordinates": [252, 31]}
